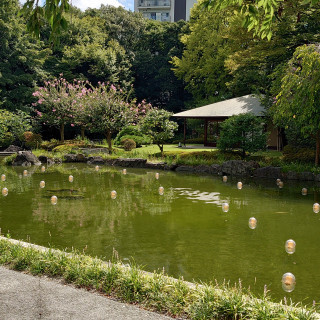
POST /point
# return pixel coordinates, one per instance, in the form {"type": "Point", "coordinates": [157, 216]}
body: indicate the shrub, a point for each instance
{"type": "Point", "coordinates": [296, 154]}
{"type": "Point", "coordinates": [67, 148]}
{"type": "Point", "coordinates": [134, 133]}
{"type": "Point", "coordinates": [244, 132]}
{"type": "Point", "coordinates": [49, 145]}
{"type": "Point", "coordinates": [139, 140]}
{"type": "Point", "coordinates": [31, 140]}
{"type": "Point", "coordinates": [128, 144]}
{"type": "Point", "coordinates": [6, 139]}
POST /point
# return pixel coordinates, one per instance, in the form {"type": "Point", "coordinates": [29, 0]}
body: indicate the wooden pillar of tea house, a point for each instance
{"type": "Point", "coordinates": [184, 131]}
{"type": "Point", "coordinates": [205, 132]}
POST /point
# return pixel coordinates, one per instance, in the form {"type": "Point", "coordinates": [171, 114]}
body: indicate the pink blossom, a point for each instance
{"type": "Point", "coordinates": [40, 101]}
{"type": "Point", "coordinates": [53, 110]}
{"type": "Point", "coordinates": [72, 125]}
{"type": "Point", "coordinates": [112, 87]}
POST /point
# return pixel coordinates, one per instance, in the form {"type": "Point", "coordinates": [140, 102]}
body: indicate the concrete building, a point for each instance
{"type": "Point", "coordinates": [165, 10]}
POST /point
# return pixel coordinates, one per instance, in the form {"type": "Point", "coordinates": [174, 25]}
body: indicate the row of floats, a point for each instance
{"type": "Point", "coordinates": [288, 279]}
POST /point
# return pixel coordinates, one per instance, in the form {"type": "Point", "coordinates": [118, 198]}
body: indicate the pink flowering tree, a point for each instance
{"type": "Point", "coordinates": [112, 111]}
{"type": "Point", "coordinates": [82, 106]}
{"type": "Point", "coordinates": [55, 101]}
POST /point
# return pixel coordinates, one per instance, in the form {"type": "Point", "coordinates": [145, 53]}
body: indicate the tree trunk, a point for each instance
{"type": "Point", "coordinates": [161, 149]}
{"type": "Point", "coordinates": [317, 148]}
{"type": "Point", "coordinates": [108, 136]}
{"type": "Point", "coordinates": [82, 133]}
{"type": "Point", "coordinates": [62, 132]}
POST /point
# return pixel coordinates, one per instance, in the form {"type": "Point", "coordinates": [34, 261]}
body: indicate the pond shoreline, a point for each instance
{"type": "Point", "coordinates": [152, 291]}
{"type": "Point", "coordinates": [242, 168]}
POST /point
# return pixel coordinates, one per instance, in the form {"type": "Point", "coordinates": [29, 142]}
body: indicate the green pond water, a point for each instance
{"type": "Point", "coordinates": [185, 232]}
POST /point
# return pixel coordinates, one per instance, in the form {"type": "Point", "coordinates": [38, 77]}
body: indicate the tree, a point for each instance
{"type": "Point", "coordinates": [244, 132]}
{"type": "Point", "coordinates": [157, 125]}
{"type": "Point", "coordinates": [55, 101]}
{"type": "Point", "coordinates": [297, 102]}
{"type": "Point", "coordinates": [21, 59]}
{"type": "Point", "coordinates": [111, 110]}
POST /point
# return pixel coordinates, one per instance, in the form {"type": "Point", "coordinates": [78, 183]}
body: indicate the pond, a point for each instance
{"type": "Point", "coordinates": [184, 231]}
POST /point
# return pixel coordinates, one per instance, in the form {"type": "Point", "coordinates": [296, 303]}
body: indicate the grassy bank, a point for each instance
{"type": "Point", "coordinates": [155, 292]}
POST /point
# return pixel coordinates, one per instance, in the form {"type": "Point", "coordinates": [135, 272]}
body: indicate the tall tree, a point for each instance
{"type": "Point", "coordinates": [297, 102]}
{"type": "Point", "coordinates": [21, 59]}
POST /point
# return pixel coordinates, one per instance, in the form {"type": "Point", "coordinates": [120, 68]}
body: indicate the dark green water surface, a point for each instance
{"type": "Point", "coordinates": [184, 231]}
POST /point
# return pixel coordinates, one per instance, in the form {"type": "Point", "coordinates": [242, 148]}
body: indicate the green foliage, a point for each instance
{"type": "Point", "coordinates": [295, 154]}
{"type": "Point", "coordinates": [67, 148]}
{"type": "Point", "coordinates": [21, 59]}
{"type": "Point", "coordinates": [139, 140]}
{"type": "Point", "coordinates": [244, 132]}
{"type": "Point", "coordinates": [31, 140]}
{"type": "Point", "coordinates": [297, 101]}
{"type": "Point", "coordinates": [128, 144]}
{"type": "Point", "coordinates": [134, 133]}
{"type": "Point", "coordinates": [12, 126]}
{"type": "Point", "coordinates": [158, 127]}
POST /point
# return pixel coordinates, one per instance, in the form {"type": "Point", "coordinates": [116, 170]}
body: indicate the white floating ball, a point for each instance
{"type": "Point", "coordinates": [304, 191]}
{"type": "Point", "coordinates": [239, 185]}
{"type": "Point", "coordinates": [280, 184]}
{"type": "Point", "coordinates": [278, 180]}
{"type": "Point", "coordinates": [124, 171]}
{"type": "Point", "coordinates": [3, 177]}
{"type": "Point", "coordinates": [25, 173]}
{"type": "Point", "coordinates": [252, 223]}
{"type": "Point", "coordinates": [42, 184]}
{"type": "Point", "coordinates": [113, 194]}
{"type": "Point", "coordinates": [97, 168]}
{"type": "Point", "coordinates": [43, 169]}
{"type": "Point", "coordinates": [54, 200]}
{"type": "Point", "coordinates": [316, 207]}
{"type": "Point", "coordinates": [290, 246]}
{"type": "Point", "coordinates": [157, 175]}
{"type": "Point", "coordinates": [70, 178]}
{"type": "Point", "coordinates": [224, 178]}
{"type": "Point", "coordinates": [288, 282]}
{"type": "Point", "coordinates": [4, 192]}
{"type": "Point", "coordinates": [161, 191]}
{"type": "Point", "coordinates": [225, 207]}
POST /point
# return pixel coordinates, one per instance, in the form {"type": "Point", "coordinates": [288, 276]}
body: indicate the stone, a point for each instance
{"type": "Point", "coordinates": [158, 165]}
{"type": "Point", "coordinates": [185, 169]}
{"type": "Point", "coordinates": [291, 175]}
{"type": "Point", "coordinates": [216, 169]}
{"type": "Point", "coordinates": [46, 160]}
{"type": "Point", "coordinates": [268, 172]}
{"type": "Point", "coordinates": [13, 148]}
{"type": "Point", "coordinates": [239, 167]}
{"type": "Point", "coordinates": [130, 163]}
{"type": "Point", "coordinates": [95, 160]}
{"type": "Point", "coordinates": [203, 169]}
{"type": "Point", "coordinates": [306, 176]}
{"type": "Point", "coordinates": [171, 167]}
{"type": "Point", "coordinates": [75, 158]}
{"type": "Point", "coordinates": [26, 158]}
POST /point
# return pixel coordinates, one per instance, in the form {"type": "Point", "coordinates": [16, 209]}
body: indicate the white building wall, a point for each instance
{"type": "Point", "coordinates": [189, 5]}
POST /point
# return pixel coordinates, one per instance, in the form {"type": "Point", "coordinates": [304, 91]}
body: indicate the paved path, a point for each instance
{"type": "Point", "coordinates": [25, 297]}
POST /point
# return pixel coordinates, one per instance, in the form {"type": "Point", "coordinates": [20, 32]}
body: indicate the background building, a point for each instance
{"type": "Point", "coordinates": [164, 10]}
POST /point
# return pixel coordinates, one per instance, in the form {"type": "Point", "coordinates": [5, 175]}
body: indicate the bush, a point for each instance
{"type": "Point", "coordinates": [296, 154]}
{"type": "Point", "coordinates": [244, 132]}
{"type": "Point", "coordinates": [139, 140]}
{"type": "Point", "coordinates": [49, 145]}
{"type": "Point", "coordinates": [67, 148]}
{"type": "Point", "coordinates": [6, 139]}
{"type": "Point", "coordinates": [128, 144]}
{"type": "Point", "coordinates": [31, 140]}
{"type": "Point", "coordinates": [128, 131]}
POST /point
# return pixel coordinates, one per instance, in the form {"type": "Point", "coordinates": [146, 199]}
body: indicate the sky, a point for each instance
{"type": "Point", "coordinates": [84, 4]}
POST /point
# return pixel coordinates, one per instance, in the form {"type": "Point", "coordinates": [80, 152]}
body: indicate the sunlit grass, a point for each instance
{"type": "Point", "coordinates": [154, 291]}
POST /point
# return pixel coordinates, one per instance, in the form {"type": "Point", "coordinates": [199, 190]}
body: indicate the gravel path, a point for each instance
{"type": "Point", "coordinates": [24, 297]}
